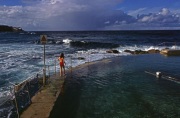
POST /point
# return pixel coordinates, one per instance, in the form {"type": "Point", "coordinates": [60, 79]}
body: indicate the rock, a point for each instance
{"type": "Point", "coordinates": [4, 28]}
{"type": "Point", "coordinates": [129, 51]}
{"type": "Point", "coordinates": [81, 58]}
{"type": "Point", "coordinates": [140, 52]}
{"type": "Point", "coordinates": [93, 52]}
{"type": "Point", "coordinates": [109, 51]}
{"type": "Point", "coordinates": [152, 51]}
{"type": "Point", "coordinates": [169, 52]}
{"type": "Point", "coordinates": [113, 51]}
{"type": "Point", "coordinates": [136, 52]}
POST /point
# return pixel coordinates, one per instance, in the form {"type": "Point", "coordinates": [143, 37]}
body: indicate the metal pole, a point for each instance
{"type": "Point", "coordinates": [55, 66]}
{"type": "Point", "coordinates": [48, 71]}
{"type": "Point", "coordinates": [44, 77]}
{"type": "Point", "coordinates": [37, 79]}
{"type": "Point", "coordinates": [49, 75]}
{"type": "Point", "coordinates": [28, 91]}
{"type": "Point", "coordinates": [44, 58]}
{"type": "Point", "coordinates": [71, 66]}
{"type": "Point", "coordinates": [88, 59]}
{"type": "Point", "coordinates": [44, 70]}
{"type": "Point", "coordinates": [16, 103]}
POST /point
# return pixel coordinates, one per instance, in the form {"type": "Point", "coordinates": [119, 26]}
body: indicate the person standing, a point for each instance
{"type": "Point", "coordinates": [62, 64]}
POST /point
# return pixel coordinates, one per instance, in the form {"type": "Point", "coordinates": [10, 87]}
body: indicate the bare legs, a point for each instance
{"type": "Point", "coordinates": [62, 70]}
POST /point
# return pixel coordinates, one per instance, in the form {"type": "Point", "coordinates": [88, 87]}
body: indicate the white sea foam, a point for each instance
{"type": "Point", "coordinates": [18, 62]}
{"type": "Point", "coordinates": [89, 55]}
{"type": "Point", "coordinates": [146, 48]}
{"type": "Point", "coordinates": [66, 41]}
{"type": "Point", "coordinates": [58, 42]}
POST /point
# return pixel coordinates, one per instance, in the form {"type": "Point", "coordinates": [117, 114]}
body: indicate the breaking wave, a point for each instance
{"type": "Point", "coordinates": [85, 44]}
{"type": "Point", "coordinates": [81, 44]}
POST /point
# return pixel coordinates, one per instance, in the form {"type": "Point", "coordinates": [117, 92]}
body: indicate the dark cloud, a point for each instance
{"type": "Point", "coordinates": [164, 19]}
{"type": "Point", "coordinates": [82, 15]}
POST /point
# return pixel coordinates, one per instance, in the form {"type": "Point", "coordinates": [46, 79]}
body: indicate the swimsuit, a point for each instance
{"type": "Point", "coordinates": [61, 61]}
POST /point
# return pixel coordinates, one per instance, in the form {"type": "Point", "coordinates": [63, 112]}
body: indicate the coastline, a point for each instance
{"type": "Point", "coordinates": [27, 58]}
{"type": "Point", "coordinates": [56, 102]}
{"type": "Point", "coordinates": [44, 101]}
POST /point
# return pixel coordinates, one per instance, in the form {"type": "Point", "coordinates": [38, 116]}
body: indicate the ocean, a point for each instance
{"type": "Point", "coordinates": [21, 56]}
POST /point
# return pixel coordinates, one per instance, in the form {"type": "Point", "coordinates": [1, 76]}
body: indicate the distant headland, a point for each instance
{"type": "Point", "coordinates": [5, 28]}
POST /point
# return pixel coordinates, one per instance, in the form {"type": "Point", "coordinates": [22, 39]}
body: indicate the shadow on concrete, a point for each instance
{"type": "Point", "coordinates": [67, 103]}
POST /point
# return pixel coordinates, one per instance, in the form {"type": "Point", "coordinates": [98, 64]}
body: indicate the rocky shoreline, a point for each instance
{"type": "Point", "coordinates": [152, 51]}
{"type": "Point", "coordinates": [166, 52]}
{"type": "Point", "coordinates": [5, 28]}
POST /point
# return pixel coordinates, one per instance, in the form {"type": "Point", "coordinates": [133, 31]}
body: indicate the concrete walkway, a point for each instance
{"type": "Point", "coordinates": [43, 101]}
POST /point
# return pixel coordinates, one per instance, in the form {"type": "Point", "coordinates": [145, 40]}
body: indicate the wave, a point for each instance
{"type": "Point", "coordinates": [146, 48]}
{"type": "Point", "coordinates": [48, 42]}
{"type": "Point", "coordinates": [67, 41]}
{"type": "Point", "coordinates": [93, 45]}
{"type": "Point", "coordinates": [77, 58]}
{"type": "Point", "coordinates": [80, 44]}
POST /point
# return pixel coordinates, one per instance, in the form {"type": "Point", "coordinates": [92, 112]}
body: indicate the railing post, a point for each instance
{"type": "Point", "coordinates": [28, 91]}
{"type": "Point", "coordinates": [88, 58]}
{"type": "Point", "coordinates": [16, 103]}
{"type": "Point", "coordinates": [55, 66]}
{"type": "Point", "coordinates": [71, 66]}
{"type": "Point", "coordinates": [49, 75]}
{"type": "Point", "coordinates": [48, 71]}
{"type": "Point", "coordinates": [37, 77]}
{"type": "Point", "coordinates": [44, 77]}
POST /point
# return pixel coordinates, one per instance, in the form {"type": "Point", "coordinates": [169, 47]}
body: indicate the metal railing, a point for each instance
{"type": "Point", "coordinates": [21, 95]}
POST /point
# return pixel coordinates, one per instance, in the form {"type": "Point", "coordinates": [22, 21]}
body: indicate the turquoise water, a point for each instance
{"type": "Point", "coordinates": [121, 89]}
{"type": "Point", "coordinates": [21, 56]}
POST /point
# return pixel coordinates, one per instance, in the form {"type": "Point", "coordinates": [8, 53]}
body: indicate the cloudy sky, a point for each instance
{"type": "Point", "coordinates": [57, 15]}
